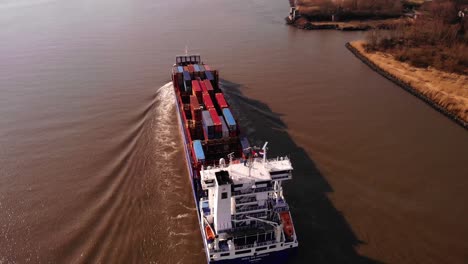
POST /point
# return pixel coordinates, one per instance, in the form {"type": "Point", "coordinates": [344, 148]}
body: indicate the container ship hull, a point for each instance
{"type": "Point", "coordinates": [270, 252]}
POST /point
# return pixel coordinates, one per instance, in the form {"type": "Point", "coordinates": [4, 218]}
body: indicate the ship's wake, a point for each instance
{"type": "Point", "coordinates": [164, 125]}
{"type": "Point", "coordinates": [143, 199]}
{"type": "Point", "coordinates": [178, 229]}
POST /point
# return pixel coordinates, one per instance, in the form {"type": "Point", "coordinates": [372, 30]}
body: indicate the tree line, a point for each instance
{"type": "Point", "coordinates": [437, 37]}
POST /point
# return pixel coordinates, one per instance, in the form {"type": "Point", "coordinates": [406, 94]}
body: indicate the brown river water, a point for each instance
{"type": "Point", "coordinates": [91, 160]}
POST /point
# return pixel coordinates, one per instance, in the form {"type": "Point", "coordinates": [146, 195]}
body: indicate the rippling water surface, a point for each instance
{"type": "Point", "coordinates": [91, 162]}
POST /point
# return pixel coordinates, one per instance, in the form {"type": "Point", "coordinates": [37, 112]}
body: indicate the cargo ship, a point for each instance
{"type": "Point", "coordinates": [242, 213]}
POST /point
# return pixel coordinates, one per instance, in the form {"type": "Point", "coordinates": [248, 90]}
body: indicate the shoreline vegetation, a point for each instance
{"type": "Point", "coordinates": [351, 14]}
{"type": "Point", "coordinates": [420, 45]}
{"type": "Point", "coordinates": [428, 57]}
{"type": "Point", "coordinates": [352, 25]}
{"type": "Point", "coordinates": [446, 92]}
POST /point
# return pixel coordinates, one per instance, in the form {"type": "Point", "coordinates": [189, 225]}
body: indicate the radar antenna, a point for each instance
{"type": "Point", "coordinates": [231, 157]}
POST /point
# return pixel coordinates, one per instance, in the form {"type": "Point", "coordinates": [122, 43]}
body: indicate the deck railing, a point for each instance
{"type": "Point", "coordinates": [250, 208]}
{"type": "Point", "coordinates": [252, 191]}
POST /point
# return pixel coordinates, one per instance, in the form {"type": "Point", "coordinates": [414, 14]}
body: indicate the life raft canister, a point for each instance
{"type": "Point", "coordinates": [209, 233]}
{"type": "Point", "coordinates": [287, 224]}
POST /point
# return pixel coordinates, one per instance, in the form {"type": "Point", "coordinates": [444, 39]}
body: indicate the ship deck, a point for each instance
{"type": "Point", "coordinates": [255, 170]}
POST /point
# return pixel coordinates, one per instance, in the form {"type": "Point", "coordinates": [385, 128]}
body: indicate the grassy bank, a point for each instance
{"type": "Point", "coordinates": [304, 23]}
{"type": "Point", "coordinates": [449, 91]}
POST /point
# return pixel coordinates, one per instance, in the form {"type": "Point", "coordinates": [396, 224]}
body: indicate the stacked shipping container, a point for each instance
{"type": "Point", "coordinates": [208, 126]}
{"type": "Point", "coordinates": [209, 87]}
{"type": "Point", "coordinates": [224, 128]}
{"type": "Point", "coordinates": [207, 101]}
{"type": "Point", "coordinates": [196, 90]}
{"type": "Point", "coordinates": [187, 82]}
{"type": "Point", "coordinates": [230, 121]}
{"type": "Point", "coordinates": [209, 120]}
{"type": "Point", "coordinates": [198, 149]}
{"type": "Point", "coordinates": [216, 123]}
{"type": "Point", "coordinates": [203, 87]}
{"type": "Point", "coordinates": [221, 101]}
{"type": "Point", "coordinates": [195, 108]}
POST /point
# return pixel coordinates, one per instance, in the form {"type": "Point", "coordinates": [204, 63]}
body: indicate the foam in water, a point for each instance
{"type": "Point", "coordinates": [175, 207]}
{"type": "Point", "coordinates": [179, 216]}
{"type": "Point", "coordinates": [164, 121]}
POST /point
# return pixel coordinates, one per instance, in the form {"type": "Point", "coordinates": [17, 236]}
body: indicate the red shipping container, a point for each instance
{"type": "Point", "coordinates": [194, 102]}
{"type": "Point", "coordinates": [209, 87]}
{"type": "Point", "coordinates": [214, 117]}
{"type": "Point", "coordinates": [203, 87]}
{"type": "Point", "coordinates": [190, 68]}
{"type": "Point", "coordinates": [216, 121]}
{"type": "Point", "coordinates": [207, 68]}
{"type": "Point", "coordinates": [195, 108]}
{"type": "Point", "coordinates": [196, 90]}
{"type": "Point", "coordinates": [185, 68]}
{"type": "Point", "coordinates": [221, 101]}
{"type": "Point", "coordinates": [207, 101]}
{"type": "Point", "coordinates": [196, 86]}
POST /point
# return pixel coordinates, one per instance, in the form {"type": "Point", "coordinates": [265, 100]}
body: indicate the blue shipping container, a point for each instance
{"type": "Point", "coordinates": [187, 76]}
{"type": "Point", "coordinates": [201, 68]}
{"type": "Point", "coordinates": [209, 76]}
{"type": "Point", "coordinates": [196, 67]}
{"type": "Point", "coordinates": [244, 143]}
{"type": "Point", "coordinates": [230, 121]}
{"type": "Point", "coordinates": [199, 154]}
{"type": "Point", "coordinates": [180, 69]}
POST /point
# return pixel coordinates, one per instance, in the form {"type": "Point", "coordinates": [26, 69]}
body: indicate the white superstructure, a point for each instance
{"type": "Point", "coordinates": [245, 213]}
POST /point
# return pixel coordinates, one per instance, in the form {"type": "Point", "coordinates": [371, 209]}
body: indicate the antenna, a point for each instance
{"type": "Point", "coordinates": [230, 156]}
{"type": "Point", "coordinates": [186, 49]}
{"type": "Point", "coordinates": [264, 151]}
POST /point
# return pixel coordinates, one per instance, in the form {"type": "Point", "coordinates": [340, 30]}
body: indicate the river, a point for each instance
{"type": "Point", "coordinates": [92, 168]}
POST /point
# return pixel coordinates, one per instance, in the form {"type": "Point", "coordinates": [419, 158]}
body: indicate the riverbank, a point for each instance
{"type": "Point", "coordinates": [304, 23]}
{"type": "Point", "coordinates": [446, 92]}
